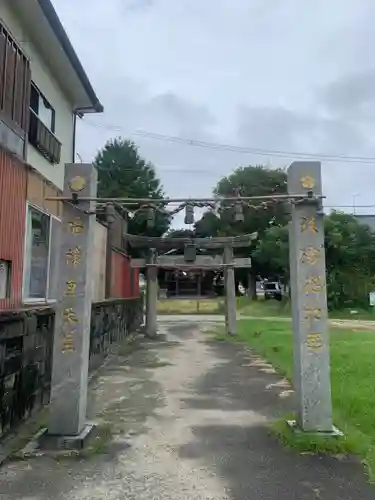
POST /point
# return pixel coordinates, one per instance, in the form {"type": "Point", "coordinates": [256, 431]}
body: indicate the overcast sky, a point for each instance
{"type": "Point", "coordinates": [291, 75]}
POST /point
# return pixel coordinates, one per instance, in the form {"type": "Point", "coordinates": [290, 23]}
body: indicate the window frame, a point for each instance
{"type": "Point", "coordinates": [52, 127]}
{"type": "Point", "coordinates": [37, 300]}
{"type": "Point", "coordinates": [8, 283]}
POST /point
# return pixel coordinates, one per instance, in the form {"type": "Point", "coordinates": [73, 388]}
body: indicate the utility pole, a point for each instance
{"type": "Point", "coordinates": [354, 196]}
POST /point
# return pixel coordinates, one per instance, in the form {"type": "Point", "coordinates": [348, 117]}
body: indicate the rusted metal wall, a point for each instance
{"type": "Point", "coordinates": [13, 182]}
{"type": "Point", "coordinates": [120, 283]}
{"type": "Point", "coordinates": [125, 280]}
{"type": "Point", "coordinates": [38, 189]}
{"type": "Point", "coordinates": [136, 290]}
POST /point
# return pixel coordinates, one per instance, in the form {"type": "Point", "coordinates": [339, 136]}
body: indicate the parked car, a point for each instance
{"type": "Point", "coordinates": [272, 290]}
{"type": "Point", "coordinates": [142, 282]}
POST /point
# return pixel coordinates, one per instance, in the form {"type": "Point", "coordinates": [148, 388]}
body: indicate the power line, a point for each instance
{"type": "Point", "coordinates": [238, 149]}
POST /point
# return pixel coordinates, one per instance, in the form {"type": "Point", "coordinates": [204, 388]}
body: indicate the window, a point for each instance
{"type": "Point", "coordinates": [41, 254]}
{"type": "Point", "coordinates": [5, 277]}
{"type": "Point", "coordinates": [42, 126]}
{"type": "Point", "coordinates": [42, 108]}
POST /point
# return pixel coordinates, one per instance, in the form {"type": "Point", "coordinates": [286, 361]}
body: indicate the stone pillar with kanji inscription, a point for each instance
{"type": "Point", "coordinates": [309, 300]}
{"type": "Point", "coordinates": [73, 308]}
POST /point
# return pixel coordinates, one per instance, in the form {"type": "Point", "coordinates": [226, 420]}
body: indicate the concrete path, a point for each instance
{"type": "Point", "coordinates": [189, 418]}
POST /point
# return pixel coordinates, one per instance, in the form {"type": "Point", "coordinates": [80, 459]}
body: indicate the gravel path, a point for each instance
{"type": "Point", "coordinates": [190, 421]}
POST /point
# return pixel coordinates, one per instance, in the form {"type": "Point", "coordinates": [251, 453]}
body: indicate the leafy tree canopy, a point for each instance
{"type": "Point", "coordinates": [350, 258]}
{"type": "Point", "coordinates": [254, 181]}
{"type": "Point", "coordinates": [180, 233]}
{"type": "Point", "coordinates": [122, 172]}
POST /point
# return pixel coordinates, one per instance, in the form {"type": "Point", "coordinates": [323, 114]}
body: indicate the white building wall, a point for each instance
{"type": "Point", "coordinates": [49, 87]}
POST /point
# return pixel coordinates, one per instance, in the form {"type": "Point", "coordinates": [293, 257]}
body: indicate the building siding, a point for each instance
{"type": "Point", "coordinates": [135, 284]}
{"type": "Point", "coordinates": [39, 189]}
{"type": "Point", "coordinates": [120, 282]}
{"type": "Point", "coordinates": [47, 84]}
{"type": "Point", "coordinates": [368, 220]}
{"type": "Point", "coordinates": [13, 182]}
{"type": "Point", "coordinates": [125, 281]}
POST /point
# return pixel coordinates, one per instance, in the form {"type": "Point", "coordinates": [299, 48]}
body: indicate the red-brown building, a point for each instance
{"type": "Point", "coordinates": [13, 185]}
{"type": "Point", "coordinates": [43, 89]}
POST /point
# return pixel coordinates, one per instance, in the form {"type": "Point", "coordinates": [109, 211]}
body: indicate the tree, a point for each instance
{"type": "Point", "coordinates": [180, 233]}
{"type": "Point", "coordinates": [272, 252]}
{"type": "Point", "coordinates": [209, 225]}
{"type": "Point", "coordinates": [122, 173]}
{"type": "Point", "coordinates": [350, 258]}
{"type": "Point", "coordinates": [253, 181]}
{"type": "Point", "coordinates": [258, 216]}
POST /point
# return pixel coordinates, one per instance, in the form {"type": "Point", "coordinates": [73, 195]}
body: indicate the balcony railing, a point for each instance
{"type": "Point", "coordinates": [43, 139]}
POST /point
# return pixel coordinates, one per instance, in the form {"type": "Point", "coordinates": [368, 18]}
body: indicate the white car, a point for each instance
{"type": "Point", "coordinates": [142, 282]}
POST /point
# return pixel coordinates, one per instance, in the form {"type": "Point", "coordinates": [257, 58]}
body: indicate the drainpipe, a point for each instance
{"type": "Point", "coordinates": [78, 113]}
{"type": "Point", "coordinates": [74, 135]}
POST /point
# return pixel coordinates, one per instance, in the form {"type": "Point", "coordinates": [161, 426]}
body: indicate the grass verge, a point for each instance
{"type": "Point", "coordinates": [274, 309]}
{"type": "Point", "coordinates": [352, 376]}
{"type": "Point", "coordinates": [190, 306]}
{"type": "Point", "coordinates": [312, 443]}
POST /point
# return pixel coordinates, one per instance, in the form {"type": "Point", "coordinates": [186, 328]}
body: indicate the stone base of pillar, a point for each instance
{"type": "Point", "coordinates": [151, 335]}
{"type": "Point", "coordinates": [47, 444]}
{"type": "Point", "coordinates": [334, 432]}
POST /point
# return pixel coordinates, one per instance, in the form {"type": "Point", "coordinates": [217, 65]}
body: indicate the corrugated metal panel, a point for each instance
{"type": "Point", "coordinates": [136, 283]}
{"type": "Point", "coordinates": [125, 281]}
{"type": "Point", "coordinates": [13, 180]}
{"type": "Point", "coordinates": [120, 276]}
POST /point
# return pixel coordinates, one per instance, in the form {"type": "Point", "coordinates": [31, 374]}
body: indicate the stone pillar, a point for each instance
{"type": "Point", "coordinates": [230, 291]}
{"type": "Point", "coordinates": [309, 301]}
{"type": "Point", "coordinates": [73, 308]}
{"type": "Point", "coordinates": [152, 296]}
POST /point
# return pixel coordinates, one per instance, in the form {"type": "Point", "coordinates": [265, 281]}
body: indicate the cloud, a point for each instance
{"type": "Point", "coordinates": [293, 131]}
{"type": "Point", "coordinates": [136, 5]}
{"type": "Point", "coordinates": [288, 75]}
{"type": "Point", "coordinates": [352, 96]}
{"type": "Point", "coordinates": [283, 129]}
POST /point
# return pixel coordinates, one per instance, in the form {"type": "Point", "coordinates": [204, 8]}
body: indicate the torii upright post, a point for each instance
{"type": "Point", "coordinates": [309, 300]}
{"type": "Point", "coordinates": [151, 294]}
{"type": "Point", "coordinates": [230, 291]}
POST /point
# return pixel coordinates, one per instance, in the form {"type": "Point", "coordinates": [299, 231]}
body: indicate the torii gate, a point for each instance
{"type": "Point", "coordinates": [308, 292]}
{"type": "Point", "coordinates": [190, 260]}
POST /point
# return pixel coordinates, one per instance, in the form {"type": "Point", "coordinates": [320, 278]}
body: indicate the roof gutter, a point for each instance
{"type": "Point", "coordinates": [60, 33]}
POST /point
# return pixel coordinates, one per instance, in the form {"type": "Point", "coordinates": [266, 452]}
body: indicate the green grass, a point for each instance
{"type": "Point", "coordinates": [273, 308]}
{"type": "Point", "coordinates": [190, 306]}
{"type": "Point", "coordinates": [263, 308]}
{"type": "Point", "coordinates": [313, 443]}
{"type": "Point", "coordinates": [352, 375]}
